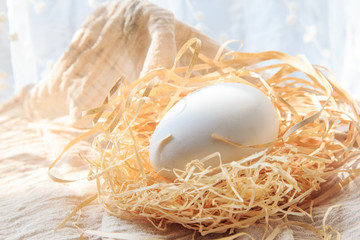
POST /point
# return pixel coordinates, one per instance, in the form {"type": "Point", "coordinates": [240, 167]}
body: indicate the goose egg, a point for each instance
{"type": "Point", "coordinates": [237, 112]}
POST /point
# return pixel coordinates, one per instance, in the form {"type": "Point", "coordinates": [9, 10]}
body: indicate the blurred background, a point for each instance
{"type": "Point", "coordinates": [34, 33]}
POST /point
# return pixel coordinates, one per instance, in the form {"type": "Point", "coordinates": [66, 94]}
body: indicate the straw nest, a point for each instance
{"type": "Point", "coordinates": [318, 132]}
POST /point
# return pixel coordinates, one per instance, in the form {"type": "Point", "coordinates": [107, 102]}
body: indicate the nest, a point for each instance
{"type": "Point", "coordinates": [318, 132]}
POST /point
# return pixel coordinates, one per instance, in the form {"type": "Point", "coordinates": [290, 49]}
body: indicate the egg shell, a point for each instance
{"type": "Point", "coordinates": [233, 111]}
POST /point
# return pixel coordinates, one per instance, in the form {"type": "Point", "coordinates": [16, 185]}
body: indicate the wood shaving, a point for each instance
{"type": "Point", "coordinates": [319, 129]}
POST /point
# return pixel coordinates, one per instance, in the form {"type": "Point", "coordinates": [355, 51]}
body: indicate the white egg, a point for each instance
{"type": "Point", "coordinates": [237, 112]}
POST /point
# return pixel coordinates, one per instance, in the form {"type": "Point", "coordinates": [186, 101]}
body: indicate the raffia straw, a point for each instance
{"type": "Point", "coordinates": [275, 183]}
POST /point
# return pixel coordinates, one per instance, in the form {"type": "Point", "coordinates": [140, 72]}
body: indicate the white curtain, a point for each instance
{"type": "Point", "coordinates": [34, 33]}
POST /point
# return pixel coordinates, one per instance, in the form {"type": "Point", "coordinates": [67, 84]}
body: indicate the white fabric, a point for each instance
{"type": "Point", "coordinates": [326, 31]}
{"type": "Point", "coordinates": [123, 38]}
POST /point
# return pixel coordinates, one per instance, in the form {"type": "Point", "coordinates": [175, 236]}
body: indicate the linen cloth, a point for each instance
{"type": "Point", "coordinates": [125, 38]}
